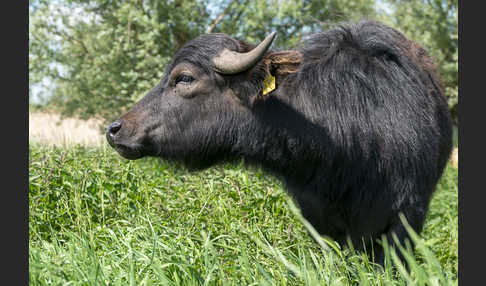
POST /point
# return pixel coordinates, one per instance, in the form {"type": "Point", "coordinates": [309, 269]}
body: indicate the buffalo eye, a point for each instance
{"type": "Point", "coordinates": [183, 78]}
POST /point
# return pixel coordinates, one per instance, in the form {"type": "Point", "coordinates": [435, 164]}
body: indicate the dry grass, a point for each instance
{"type": "Point", "coordinates": [455, 157]}
{"type": "Point", "coordinates": [50, 129]}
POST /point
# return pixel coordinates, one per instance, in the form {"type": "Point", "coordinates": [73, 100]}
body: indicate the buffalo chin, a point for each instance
{"type": "Point", "coordinates": [128, 152]}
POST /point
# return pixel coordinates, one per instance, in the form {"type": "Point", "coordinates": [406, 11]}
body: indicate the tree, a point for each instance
{"type": "Point", "coordinates": [291, 19]}
{"type": "Point", "coordinates": [104, 55]}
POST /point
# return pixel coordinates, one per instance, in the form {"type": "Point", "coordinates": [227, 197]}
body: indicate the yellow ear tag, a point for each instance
{"type": "Point", "coordinates": [269, 84]}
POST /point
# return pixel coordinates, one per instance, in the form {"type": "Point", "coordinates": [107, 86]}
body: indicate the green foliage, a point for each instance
{"type": "Point", "coordinates": [97, 219]}
{"type": "Point", "coordinates": [291, 19]}
{"type": "Point", "coordinates": [433, 24]}
{"type": "Point", "coordinates": [104, 55]}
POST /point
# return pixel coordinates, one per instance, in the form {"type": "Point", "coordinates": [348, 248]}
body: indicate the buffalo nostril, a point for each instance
{"type": "Point", "coordinates": [113, 128]}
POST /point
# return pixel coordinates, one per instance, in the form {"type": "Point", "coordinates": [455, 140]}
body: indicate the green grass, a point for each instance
{"type": "Point", "coordinates": [97, 219]}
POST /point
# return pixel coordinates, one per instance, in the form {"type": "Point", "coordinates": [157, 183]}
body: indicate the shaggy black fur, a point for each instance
{"type": "Point", "coordinates": [359, 130]}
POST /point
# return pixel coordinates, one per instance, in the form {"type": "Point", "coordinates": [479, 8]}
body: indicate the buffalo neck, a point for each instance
{"type": "Point", "coordinates": [278, 136]}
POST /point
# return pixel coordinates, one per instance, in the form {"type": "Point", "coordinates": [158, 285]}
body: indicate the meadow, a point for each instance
{"type": "Point", "coordinates": [98, 219]}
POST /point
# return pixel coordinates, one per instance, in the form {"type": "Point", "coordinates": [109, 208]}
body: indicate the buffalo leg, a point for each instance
{"type": "Point", "coordinates": [397, 230]}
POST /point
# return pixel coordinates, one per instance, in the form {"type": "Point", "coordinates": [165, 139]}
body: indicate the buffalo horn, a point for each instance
{"type": "Point", "coordinates": [231, 62]}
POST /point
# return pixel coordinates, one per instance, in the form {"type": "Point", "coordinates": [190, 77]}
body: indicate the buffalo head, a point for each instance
{"type": "Point", "coordinates": [202, 105]}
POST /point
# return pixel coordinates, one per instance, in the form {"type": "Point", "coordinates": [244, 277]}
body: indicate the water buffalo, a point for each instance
{"type": "Point", "coordinates": [354, 122]}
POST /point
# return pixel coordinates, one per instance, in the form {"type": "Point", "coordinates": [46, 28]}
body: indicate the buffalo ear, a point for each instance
{"type": "Point", "coordinates": [248, 86]}
{"type": "Point", "coordinates": [280, 64]}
